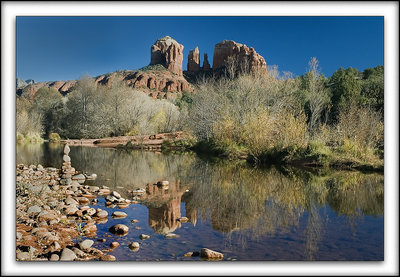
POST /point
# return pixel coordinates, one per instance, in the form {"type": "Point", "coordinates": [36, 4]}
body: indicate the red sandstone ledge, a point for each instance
{"type": "Point", "coordinates": [153, 141]}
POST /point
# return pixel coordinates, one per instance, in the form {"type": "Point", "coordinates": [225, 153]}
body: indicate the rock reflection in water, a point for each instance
{"type": "Point", "coordinates": [164, 204]}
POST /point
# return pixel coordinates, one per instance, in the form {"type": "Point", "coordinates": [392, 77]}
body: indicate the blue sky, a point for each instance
{"type": "Point", "coordinates": [64, 48]}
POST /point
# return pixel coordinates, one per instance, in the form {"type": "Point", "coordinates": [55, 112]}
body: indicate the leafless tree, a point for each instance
{"type": "Point", "coordinates": [231, 67]}
{"type": "Point", "coordinates": [317, 95]}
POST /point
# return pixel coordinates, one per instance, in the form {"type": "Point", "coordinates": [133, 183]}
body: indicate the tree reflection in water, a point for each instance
{"type": "Point", "coordinates": [250, 202]}
{"type": "Point", "coordinates": [239, 200]}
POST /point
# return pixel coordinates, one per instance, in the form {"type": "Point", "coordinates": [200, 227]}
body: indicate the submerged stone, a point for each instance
{"type": "Point", "coordinates": [211, 254]}
{"type": "Point", "coordinates": [119, 229]}
{"type": "Point", "coordinates": [143, 236]}
{"type": "Point", "coordinates": [119, 214]}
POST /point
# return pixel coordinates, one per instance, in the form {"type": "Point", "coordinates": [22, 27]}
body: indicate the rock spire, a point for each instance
{"type": "Point", "coordinates": [169, 53]}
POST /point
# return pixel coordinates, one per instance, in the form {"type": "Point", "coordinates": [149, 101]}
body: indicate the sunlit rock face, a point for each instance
{"type": "Point", "coordinates": [155, 83]}
{"type": "Point", "coordinates": [169, 53]}
{"type": "Point", "coordinates": [246, 57]}
{"type": "Point", "coordinates": [194, 60]}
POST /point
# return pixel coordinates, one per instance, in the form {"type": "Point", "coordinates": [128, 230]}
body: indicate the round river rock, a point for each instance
{"type": "Point", "coordinates": [119, 229]}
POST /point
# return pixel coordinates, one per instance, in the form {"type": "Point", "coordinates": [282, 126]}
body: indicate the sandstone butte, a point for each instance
{"type": "Point", "coordinates": [163, 78]}
{"type": "Point", "coordinates": [229, 48]}
{"type": "Point", "coordinates": [194, 60]}
{"type": "Point", "coordinates": [169, 53]}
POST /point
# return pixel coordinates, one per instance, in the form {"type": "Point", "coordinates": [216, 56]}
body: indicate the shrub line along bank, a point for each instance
{"type": "Point", "coordinates": [179, 141]}
{"type": "Point", "coordinates": [266, 116]}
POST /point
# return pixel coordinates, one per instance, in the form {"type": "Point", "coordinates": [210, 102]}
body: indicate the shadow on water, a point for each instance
{"type": "Point", "coordinates": [257, 214]}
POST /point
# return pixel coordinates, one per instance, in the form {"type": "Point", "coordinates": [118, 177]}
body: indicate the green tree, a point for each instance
{"type": "Point", "coordinates": [346, 89]}
{"type": "Point", "coordinates": [372, 88]}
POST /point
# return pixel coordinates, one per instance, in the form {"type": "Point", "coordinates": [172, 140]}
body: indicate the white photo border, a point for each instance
{"type": "Point", "coordinates": [9, 11]}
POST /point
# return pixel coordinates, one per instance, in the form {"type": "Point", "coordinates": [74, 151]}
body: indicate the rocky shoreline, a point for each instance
{"type": "Point", "coordinates": [54, 211]}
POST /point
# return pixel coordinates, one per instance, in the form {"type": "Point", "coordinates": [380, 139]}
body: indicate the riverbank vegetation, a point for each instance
{"type": "Point", "coordinates": [95, 111]}
{"type": "Point", "coordinates": [309, 119]}
{"type": "Point", "coordinates": [264, 117]}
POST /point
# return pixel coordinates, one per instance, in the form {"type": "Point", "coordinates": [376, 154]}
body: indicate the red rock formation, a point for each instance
{"type": "Point", "coordinates": [206, 64]}
{"type": "Point", "coordinates": [246, 57]}
{"type": "Point", "coordinates": [155, 83]}
{"type": "Point", "coordinates": [169, 53]}
{"type": "Point", "coordinates": [57, 84]}
{"type": "Point", "coordinates": [30, 90]}
{"type": "Point", "coordinates": [194, 60]}
{"type": "Point", "coordinates": [61, 86]}
{"type": "Point", "coordinates": [160, 83]}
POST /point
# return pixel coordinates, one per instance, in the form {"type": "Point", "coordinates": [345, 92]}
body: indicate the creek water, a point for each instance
{"type": "Point", "coordinates": [246, 213]}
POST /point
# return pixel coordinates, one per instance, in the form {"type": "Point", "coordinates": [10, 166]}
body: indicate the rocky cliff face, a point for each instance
{"type": "Point", "coordinates": [194, 60]}
{"type": "Point", "coordinates": [155, 83]}
{"type": "Point", "coordinates": [206, 64]}
{"type": "Point", "coordinates": [63, 87]}
{"type": "Point", "coordinates": [169, 53]}
{"type": "Point", "coordinates": [246, 57]}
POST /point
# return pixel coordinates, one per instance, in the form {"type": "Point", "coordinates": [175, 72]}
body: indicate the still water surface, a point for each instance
{"type": "Point", "coordinates": [243, 212]}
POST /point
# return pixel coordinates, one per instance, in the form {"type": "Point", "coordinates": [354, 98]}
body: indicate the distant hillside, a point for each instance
{"type": "Point", "coordinates": [154, 81]}
{"type": "Point", "coordinates": [21, 83]}
{"type": "Point", "coordinates": [163, 77]}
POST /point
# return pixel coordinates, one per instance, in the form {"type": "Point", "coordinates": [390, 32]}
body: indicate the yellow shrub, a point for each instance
{"type": "Point", "coordinates": [283, 130]}
{"type": "Point", "coordinates": [224, 131]}
{"type": "Point", "coordinates": [158, 121]}
{"type": "Point", "coordinates": [134, 131]}
{"type": "Point", "coordinates": [20, 137]}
